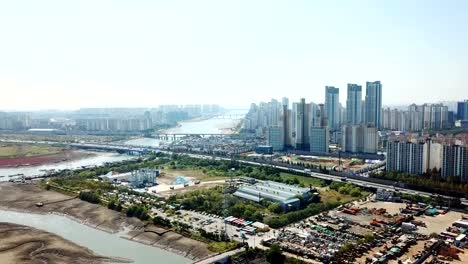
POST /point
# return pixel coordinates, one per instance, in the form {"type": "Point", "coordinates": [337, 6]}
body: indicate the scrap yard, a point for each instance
{"type": "Point", "coordinates": [374, 231]}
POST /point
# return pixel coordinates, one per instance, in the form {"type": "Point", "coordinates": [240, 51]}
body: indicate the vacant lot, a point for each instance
{"type": "Point", "coordinates": [327, 162]}
{"type": "Point", "coordinates": [169, 175]}
{"type": "Point", "coordinates": [437, 223]}
{"type": "Point", "coordinates": [391, 208]}
{"type": "Point", "coordinates": [331, 196]}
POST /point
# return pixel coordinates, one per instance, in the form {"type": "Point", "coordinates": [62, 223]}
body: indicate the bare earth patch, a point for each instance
{"type": "Point", "coordinates": [23, 197]}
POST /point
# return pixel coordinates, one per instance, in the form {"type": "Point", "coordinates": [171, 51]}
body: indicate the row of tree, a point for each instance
{"type": "Point", "coordinates": [90, 197]}
{"type": "Point", "coordinates": [346, 188]}
{"type": "Point", "coordinates": [430, 182]}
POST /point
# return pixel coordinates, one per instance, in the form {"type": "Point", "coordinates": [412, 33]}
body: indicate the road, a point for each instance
{"type": "Point", "coordinates": [362, 182]}
{"type": "Point", "coordinates": [213, 259]}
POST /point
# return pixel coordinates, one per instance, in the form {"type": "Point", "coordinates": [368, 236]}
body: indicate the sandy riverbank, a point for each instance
{"type": "Point", "coordinates": [23, 197]}
{"type": "Point", "coordinates": [23, 244]}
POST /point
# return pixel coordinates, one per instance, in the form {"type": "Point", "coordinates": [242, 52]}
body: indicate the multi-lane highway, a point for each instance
{"type": "Point", "coordinates": [364, 182]}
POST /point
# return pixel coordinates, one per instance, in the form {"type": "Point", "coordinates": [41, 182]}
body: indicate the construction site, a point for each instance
{"type": "Point", "coordinates": [330, 163]}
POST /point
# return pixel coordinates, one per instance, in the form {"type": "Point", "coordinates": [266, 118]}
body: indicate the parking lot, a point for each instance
{"type": "Point", "coordinates": [214, 224]}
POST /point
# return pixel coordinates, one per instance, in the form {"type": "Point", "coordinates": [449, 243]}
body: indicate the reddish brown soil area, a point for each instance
{"type": "Point", "coordinates": [66, 155]}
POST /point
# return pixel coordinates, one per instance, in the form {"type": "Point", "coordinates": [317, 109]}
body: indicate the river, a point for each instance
{"type": "Point", "coordinates": [105, 244]}
{"type": "Point", "coordinates": [213, 125]}
{"type": "Point", "coordinates": [97, 159]}
{"type": "Point", "coordinates": [102, 243]}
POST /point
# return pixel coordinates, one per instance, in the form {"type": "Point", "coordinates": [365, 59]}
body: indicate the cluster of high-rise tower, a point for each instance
{"type": "Point", "coordinates": [311, 127]}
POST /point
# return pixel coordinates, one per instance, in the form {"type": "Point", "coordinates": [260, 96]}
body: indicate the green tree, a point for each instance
{"type": "Point", "coordinates": [275, 208]}
{"type": "Point", "coordinates": [274, 255]}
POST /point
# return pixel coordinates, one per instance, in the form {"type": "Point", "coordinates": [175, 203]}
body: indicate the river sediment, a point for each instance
{"type": "Point", "coordinates": [23, 244]}
{"type": "Point", "coordinates": [24, 197]}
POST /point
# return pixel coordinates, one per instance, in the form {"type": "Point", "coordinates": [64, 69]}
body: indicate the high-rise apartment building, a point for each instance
{"type": "Point", "coordinates": [394, 119]}
{"type": "Point", "coordinates": [332, 110]}
{"type": "Point", "coordinates": [319, 139]}
{"type": "Point", "coordinates": [275, 138]}
{"type": "Point", "coordinates": [373, 102]}
{"type": "Point", "coordinates": [417, 155]}
{"type": "Point", "coordinates": [462, 110]}
{"type": "Point", "coordinates": [319, 131]}
{"type": "Point", "coordinates": [417, 118]}
{"type": "Point", "coordinates": [359, 139]}
{"type": "Point", "coordinates": [301, 115]}
{"type": "Point", "coordinates": [353, 104]}
{"type": "Point", "coordinates": [405, 156]}
{"type": "Point", "coordinates": [455, 161]}
{"type": "Point", "coordinates": [285, 102]}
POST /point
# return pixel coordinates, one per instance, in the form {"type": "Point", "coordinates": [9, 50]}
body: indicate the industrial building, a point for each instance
{"type": "Point", "coordinates": [284, 194]}
{"type": "Point", "coordinates": [143, 177]}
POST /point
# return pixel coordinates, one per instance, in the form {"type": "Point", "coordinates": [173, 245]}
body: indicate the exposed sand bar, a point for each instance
{"type": "Point", "coordinates": [23, 244]}
{"type": "Point", "coordinates": [23, 197]}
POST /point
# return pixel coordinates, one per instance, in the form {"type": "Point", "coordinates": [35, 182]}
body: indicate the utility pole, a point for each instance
{"type": "Point", "coordinates": [225, 199]}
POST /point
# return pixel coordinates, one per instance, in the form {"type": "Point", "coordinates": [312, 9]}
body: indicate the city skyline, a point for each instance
{"type": "Point", "coordinates": [58, 55]}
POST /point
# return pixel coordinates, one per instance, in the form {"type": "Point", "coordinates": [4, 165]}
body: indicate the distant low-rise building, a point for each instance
{"type": "Point", "coordinates": [264, 149]}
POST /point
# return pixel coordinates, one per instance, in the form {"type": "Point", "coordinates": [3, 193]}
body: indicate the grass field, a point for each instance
{"type": "Point", "coordinates": [303, 179]}
{"type": "Point", "coordinates": [332, 196]}
{"type": "Point", "coordinates": [8, 150]}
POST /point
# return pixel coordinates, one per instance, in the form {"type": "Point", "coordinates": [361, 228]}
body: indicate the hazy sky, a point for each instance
{"type": "Point", "coordinates": [71, 54]}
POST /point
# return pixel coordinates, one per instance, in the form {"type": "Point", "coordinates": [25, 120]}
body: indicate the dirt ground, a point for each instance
{"type": "Point", "coordinates": [23, 244]}
{"type": "Point", "coordinates": [167, 178]}
{"type": "Point", "coordinates": [23, 197]}
{"type": "Point", "coordinates": [327, 162]}
{"type": "Point", "coordinates": [408, 256]}
{"type": "Point", "coordinates": [392, 208]}
{"type": "Point", "coordinates": [437, 223]}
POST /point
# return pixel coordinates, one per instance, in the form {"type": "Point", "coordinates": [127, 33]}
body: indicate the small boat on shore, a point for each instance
{"type": "Point", "coordinates": [16, 175]}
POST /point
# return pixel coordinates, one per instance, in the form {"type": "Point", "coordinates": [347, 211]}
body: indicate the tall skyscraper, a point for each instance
{"type": "Point", "coordinates": [332, 111]}
{"type": "Point", "coordinates": [353, 104]}
{"type": "Point", "coordinates": [275, 138]}
{"type": "Point", "coordinates": [359, 139]}
{"type": "Point", "coordinates": [319, 131]}
{"type": "Point", "coordinates": [405, 156]}
{"type": "Point", "coordinates": [455, 161]}
{"type": "Point", "coordinates": [373, 114]}
{"type": "Point", "coordinates": [319, 139]}
{"type": "Point", "coordinates": [301, 115]}
{"type": "Point", "coordinates": [285, 102]}
{"type": "Point", "coordinates": [462, 110]}
{"type": "Point", "coordinates": [286, 121]}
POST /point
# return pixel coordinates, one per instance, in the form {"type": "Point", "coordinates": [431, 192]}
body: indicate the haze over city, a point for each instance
{"type": "Point", "coordinates": [67, 55]}
{"type": "Point", "coordinates": [234, 132]}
